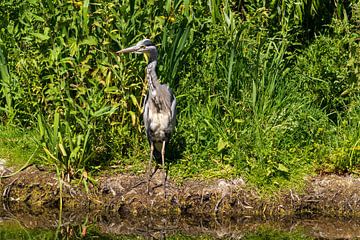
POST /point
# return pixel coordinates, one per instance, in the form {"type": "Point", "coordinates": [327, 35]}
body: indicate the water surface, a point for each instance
{"type": "Point", "coordinates": [113, 225]}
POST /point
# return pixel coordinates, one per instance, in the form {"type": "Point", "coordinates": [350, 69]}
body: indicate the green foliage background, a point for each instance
{"type": "Point", "coordinates": [266, 90]}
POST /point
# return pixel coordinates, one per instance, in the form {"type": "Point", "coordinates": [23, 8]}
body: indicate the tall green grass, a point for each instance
{"type": "Point", "coordinates": [266, 90]}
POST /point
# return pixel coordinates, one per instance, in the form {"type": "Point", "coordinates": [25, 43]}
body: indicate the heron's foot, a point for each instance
{"type": "Point", "coordinates": [137, 184]}
{"type": "Point", "coordinates": [150, 172]}
{"type": "Point", "coordinates": [164, 188]}
{"type": "Point", "coordinates": [148, 186]}
{"type": "Point", "coordinates": [150, 175]}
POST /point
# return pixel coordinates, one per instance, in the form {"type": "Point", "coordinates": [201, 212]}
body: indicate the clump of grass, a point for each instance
{"type": "Point", "coordinates": [17, 146]}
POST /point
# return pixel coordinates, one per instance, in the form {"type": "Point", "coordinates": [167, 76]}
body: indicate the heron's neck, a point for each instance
{"type": "Point", "coordinates": [152, 65]}
{"type": "Point", "coordinates": [151, 75]}
{"type": "Point", "coordinates": [152, 54]}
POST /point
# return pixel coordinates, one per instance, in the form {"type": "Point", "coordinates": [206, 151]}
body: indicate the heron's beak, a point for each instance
{"type": "Point", "coordinates": [129, 50]}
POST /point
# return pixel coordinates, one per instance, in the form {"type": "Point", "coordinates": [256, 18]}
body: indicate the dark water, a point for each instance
{"type": "Point", "coordinates": [40, 225]}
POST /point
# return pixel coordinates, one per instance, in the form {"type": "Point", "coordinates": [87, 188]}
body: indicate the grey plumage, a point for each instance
{"type": "Point", "coordinates": [159, 105]}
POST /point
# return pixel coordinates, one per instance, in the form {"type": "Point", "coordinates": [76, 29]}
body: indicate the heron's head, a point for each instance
{"type": "Point", "coordinates": [144, 46]}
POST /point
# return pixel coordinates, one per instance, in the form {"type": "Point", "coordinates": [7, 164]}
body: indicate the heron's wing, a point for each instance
{"type": "Point", "coordinates": [146, 113]}
{"type": "Point", "coordinates": [173, 109]}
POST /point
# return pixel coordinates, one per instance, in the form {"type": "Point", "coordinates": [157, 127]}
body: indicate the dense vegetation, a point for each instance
{"type": "Point", "coordinates": [266, 90]}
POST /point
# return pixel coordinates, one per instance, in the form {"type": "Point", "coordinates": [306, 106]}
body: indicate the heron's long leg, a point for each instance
{"type": "Point", "coordinates": [163, 165]}
{"type": "Point", "coordinates": [149, 165]}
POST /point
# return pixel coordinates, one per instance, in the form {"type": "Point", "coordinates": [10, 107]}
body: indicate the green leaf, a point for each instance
{"type": "Point", "coordinates": [283, 168]}
{"type": "Point", "coordinates": [40, 36]}
{"type": "Point", "coordinates": [102, 111]}
{"type": "Point", "coordinates": [56, 127]}
{"type": "Point", "coordinates": [62, 149]}
{"type": "Point", "coordinates": [168, 6]}
{"type": "Point", "coordinates": [91, 41]}
{"type": "Point", "coordinates": [134, 101]}
{"type": "Point", "coordinates": [112, 89]}
{"type": "Point", "coordinates": [37, 18]}
{"type": "Point", "coordinates": [133, 117]}
{"type": "Point", "coordinates": [253, 95]}
{"type": "Point", "coordinates": [85, 16]}
{"type": "Point", "coordinates": [222, 145]}
{"type": "Point", "coordinates": [40, 126]}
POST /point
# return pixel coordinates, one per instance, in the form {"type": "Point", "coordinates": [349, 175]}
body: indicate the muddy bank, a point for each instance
{"type": "Point", "coordinates": [126, 195]}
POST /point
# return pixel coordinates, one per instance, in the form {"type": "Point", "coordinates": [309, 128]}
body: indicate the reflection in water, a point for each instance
{"type": "Point", "coordinates": [114, 226]}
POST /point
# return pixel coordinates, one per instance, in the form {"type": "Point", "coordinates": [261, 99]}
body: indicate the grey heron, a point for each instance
{"type": "Point", "coordinates": [159, 112]}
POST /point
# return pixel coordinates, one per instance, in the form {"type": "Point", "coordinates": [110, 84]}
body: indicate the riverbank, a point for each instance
{"type": "Point", "coordinates": [326, 196]}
